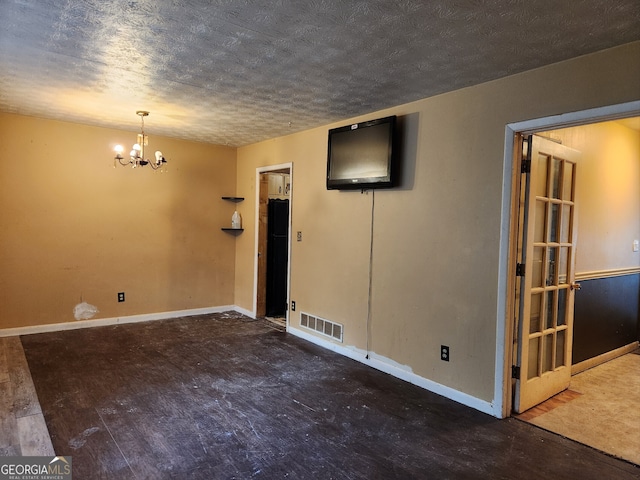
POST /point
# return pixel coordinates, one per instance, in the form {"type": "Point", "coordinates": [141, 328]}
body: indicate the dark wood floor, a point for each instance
{"type": "Point", "coordinates": [221, 396]}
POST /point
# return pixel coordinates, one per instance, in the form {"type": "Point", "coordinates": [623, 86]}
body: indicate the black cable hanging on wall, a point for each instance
{"type": "Point", "coordinates": [373, 204]}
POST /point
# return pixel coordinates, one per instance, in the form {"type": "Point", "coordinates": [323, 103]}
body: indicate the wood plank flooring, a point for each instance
{"type": "Point", "coordinates": [22, 426]}
{"type": "Point", "coordinates": [222, 396]}
{"type": "Point", "coordinates": [554, 402]}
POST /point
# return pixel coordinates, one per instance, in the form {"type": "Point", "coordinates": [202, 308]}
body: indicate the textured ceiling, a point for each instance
{"type": "Point", "coordinates": [236, 72]}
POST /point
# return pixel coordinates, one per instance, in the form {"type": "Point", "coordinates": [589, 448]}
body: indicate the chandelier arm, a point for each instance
{"type": "Point", "coordinates": [123, 162]}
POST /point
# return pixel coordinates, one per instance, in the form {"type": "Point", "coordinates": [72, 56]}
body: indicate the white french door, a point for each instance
{"type": "Point", "coordinates": [547, 288]}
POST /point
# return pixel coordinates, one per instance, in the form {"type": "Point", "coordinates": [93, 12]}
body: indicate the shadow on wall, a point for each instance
{"type": "Point", "coordinates": [408, 127]}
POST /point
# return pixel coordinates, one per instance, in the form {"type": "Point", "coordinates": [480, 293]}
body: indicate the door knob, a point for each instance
{"type": "Point", "coordinates": [575, 286]}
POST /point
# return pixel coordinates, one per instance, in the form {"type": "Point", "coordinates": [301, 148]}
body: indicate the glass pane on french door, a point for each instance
{"type": "Point", "coordinates": [552, 250]}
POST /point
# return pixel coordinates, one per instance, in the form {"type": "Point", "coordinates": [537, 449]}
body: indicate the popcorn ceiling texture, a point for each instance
{"type": "Point", "coordinates": [237, 72]}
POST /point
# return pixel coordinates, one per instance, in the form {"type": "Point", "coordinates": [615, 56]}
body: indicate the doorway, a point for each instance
{"type": "Point", "coordinates": [551, 274]}
{"type": "Point", "coordinates": [608, 263]}
{"type": "Point", "coordinates": [273, 216]}
{"type": "Point", "coordinates": [508, 307]}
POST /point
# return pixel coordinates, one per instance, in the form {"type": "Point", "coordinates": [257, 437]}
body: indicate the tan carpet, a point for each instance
{"type": "Point", "coordinates": [601, 409]}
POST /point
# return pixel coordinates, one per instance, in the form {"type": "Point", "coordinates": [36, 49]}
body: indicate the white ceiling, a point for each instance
{"type": "Point", "coordinates": [236, 72]}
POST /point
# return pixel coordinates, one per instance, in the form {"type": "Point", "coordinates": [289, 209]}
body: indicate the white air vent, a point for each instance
{"type": "Point", "coordinates": [320, 325]}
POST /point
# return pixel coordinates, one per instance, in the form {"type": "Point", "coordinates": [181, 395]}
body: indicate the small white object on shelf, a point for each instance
{"type": "Point", "coordinates": [236, 220]}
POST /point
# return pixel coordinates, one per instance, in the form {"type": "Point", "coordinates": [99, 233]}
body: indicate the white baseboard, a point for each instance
{"type": "Point", "coordinates": [101, 322]}
{"type": "Point", "coordinates": [244, 311]}
{"type": "Point", "coordinates": [376, 361]}
{"type": "Point", "coordinates": [402, 372]}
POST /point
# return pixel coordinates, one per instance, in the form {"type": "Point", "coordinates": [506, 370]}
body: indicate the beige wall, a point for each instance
{"type": "Point", "coordinates": [436, 238]}
{"type": "Point", "coordinates": [607, 194]}
{"type": "Point", "coordinates": [74, 227]}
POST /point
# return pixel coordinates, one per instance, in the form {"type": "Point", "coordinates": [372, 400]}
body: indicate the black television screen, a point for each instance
{"type": "Point", "coordinates": [362, 155]}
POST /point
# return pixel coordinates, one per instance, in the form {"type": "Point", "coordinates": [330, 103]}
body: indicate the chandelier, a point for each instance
{"type": "Point", "coordinates": [136, 156]}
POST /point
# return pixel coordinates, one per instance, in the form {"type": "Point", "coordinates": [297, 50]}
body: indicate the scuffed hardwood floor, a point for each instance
{"type": "Point", "coordinates": [222, 396]}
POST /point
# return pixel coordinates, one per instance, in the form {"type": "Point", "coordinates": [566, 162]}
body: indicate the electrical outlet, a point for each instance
{"type": "Point", "coordinates": [293, 306]}
{"type": "Point", "coordinates": [635, 246]}
{"type": "Point", "coordinates": [444, 353]}
{"type": "Point", "coordinates": [120, 296]}
{"type": "Point", "coordinates": [299, 236]}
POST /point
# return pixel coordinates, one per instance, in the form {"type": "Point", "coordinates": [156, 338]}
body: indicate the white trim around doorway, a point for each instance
{"type": "Point", "coordinates": [259, 170]}
{"type": "Point", "coordinates": [504, 331]}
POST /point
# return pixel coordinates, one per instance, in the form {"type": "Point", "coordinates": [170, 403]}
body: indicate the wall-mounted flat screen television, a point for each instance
{"type": "Point", "coordinates": [363, 155]}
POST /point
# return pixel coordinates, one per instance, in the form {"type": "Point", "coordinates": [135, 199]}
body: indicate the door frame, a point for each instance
{"type": "Point", "coordinates": [259, 171]}
{"type": "Point", "coordinates": [506, 313]}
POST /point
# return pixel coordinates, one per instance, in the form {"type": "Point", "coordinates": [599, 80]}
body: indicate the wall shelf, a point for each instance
{"type": "Point", "coordinates": [234, 231]}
